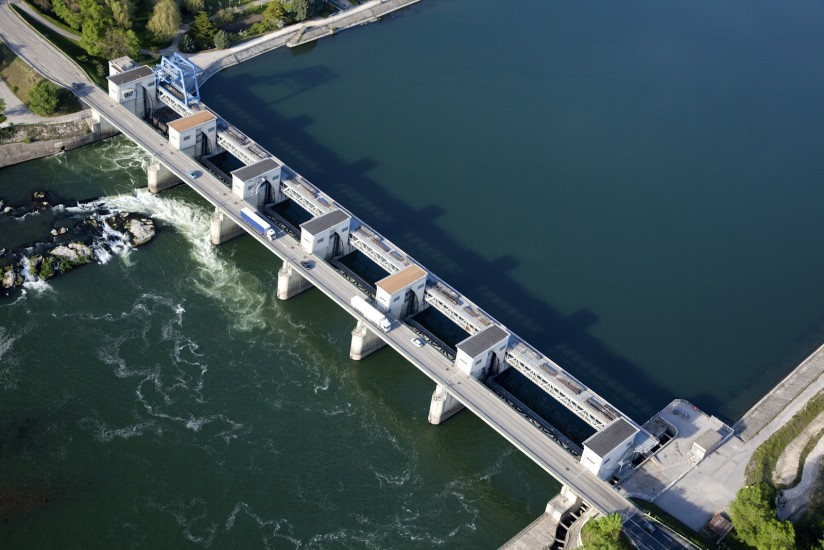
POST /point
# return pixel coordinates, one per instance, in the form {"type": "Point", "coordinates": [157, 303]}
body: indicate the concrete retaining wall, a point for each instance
{"type": "Point", "coordinates": [15, 153]}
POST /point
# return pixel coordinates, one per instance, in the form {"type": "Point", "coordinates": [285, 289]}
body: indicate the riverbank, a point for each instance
{"type": "Point", "coordinates": [213, 61]}
{"type": "Point", "coordinates": [24, 142]}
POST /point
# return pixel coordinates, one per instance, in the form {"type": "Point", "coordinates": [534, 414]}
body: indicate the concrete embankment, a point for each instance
{"type": "Point", "coordinates": [216, 60]}
{"type": "Point", "coordinates": [15, 153]}
{"type": "Point", "coordinates": [793, 391]}
{"type": "Point", "coordinates": [65, 136]}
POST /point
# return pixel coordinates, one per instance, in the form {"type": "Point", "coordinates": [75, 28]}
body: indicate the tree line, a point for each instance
{"type": "Point", "coordinates": [109, 29]}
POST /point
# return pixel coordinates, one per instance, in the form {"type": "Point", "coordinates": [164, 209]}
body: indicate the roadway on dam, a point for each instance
{"type": "Point", "coordinates": [475, 396]}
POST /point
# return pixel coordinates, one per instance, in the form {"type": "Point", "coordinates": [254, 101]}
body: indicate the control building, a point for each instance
{"type": "Point", "coordinates": [134, 89]}
{"type": "Point", "coordinates": [194, 135]}
{"type": "Point", "coordinates": [401, 293]}
{"type": "Point", "coordinates": [483, 354]}
{"type": "Point", "coordinates": [258, 183]}
{"type": "Point", "coordinates": [326, 236]}
{"type": "Point", "coordinates": [604, 449]}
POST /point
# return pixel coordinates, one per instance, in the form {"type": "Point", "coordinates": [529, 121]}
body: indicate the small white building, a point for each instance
{"type": "Point", "coordinates": [326, 236]}
{"type": "Point", "coordinates": [194, 135]}
{"type": "Point", "coordinates": [603, 450]}
{"type": "Point", "coordinates": [483, 353]}
{"type": "Point", "coordinates": [134, 89]}
{"type": "Point", "coordinates": [121, 65]}
{"type": "Point", "coordinates": [401, 293]}
{"type": "Point", "coordinates": [706, 443]}
{"type": "Point", "coordinates": [257, 183]}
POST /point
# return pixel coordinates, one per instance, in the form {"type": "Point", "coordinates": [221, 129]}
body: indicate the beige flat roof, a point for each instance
{"type": "Point", "coordinates": [189, 122]}
{"type": "Point", "coordinates": [401, 279]}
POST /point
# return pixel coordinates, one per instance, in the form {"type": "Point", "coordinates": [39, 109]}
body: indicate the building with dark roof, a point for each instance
{"type": "Point", "coordinates": [326, 236]}
{"type": "Point", "coordinates": [483, 353]}
{"type": "Point", "coordinates": [604, 450]}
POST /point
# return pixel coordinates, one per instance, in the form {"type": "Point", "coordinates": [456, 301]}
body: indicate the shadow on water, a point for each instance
{"type": "Point", "coordinates": [566, 339]}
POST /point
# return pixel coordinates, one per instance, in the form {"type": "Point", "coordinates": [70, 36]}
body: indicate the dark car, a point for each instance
{"type": "Point", "coordinates": [76, 85]}
{"type": "Point", "coordinates": [308, 264]}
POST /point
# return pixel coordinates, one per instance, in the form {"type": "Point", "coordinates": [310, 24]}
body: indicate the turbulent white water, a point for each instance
{"type": "Point", "coordinates": [213, 274]}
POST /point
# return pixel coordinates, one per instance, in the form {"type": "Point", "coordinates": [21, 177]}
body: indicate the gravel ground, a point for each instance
{"type": "Point", "coordinates": [787, 465]}
{"type": "Point", "coordinates": [795, 499]}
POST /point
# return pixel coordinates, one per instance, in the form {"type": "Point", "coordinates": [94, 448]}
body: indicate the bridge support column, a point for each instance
{"type": "Point", "coordinates": [100, 127]}
{"type": "Point", "coordinates": [223, 228]}
{"type": "Point", "coordinates": [290, 283]}
{"type": "Point", "coordinates": [364, 342]}
{"type": "Point", "coordinates": [561, 503]}
{"type": "Point", "coordinates": [160, 177]}
{"type": "Point", "coordinates": [443, 405]}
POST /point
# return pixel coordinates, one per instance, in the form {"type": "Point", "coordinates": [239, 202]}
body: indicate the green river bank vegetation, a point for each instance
{"type": "Point", "coordinates": [753, 512]}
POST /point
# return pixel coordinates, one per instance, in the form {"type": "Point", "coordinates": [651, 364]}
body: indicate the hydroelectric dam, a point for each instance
{"type": "Point", "coordinates": [192, 133]}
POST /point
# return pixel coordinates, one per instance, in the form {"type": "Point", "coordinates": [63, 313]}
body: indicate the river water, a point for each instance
{"type": "Point", "coordinates": [631, 186]}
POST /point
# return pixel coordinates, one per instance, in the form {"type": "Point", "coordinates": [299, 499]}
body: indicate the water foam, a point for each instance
{"type": "Point", "coordinates": [8, 362]}
{"type": "Point", "coordinates": [105, 434]}
{"type": "Point", "coordinates": [215, 277]}
{"type": "Point", "coordinates": [188, 517]}
{"type": "Point", "coordinates": [31, 281]}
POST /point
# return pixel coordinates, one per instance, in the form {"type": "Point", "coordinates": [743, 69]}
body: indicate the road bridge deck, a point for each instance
{"type": "Point", "coordinates": [473, 394]}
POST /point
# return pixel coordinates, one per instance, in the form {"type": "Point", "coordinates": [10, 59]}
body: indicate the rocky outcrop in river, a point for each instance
{"type": "Point", "coordinates": [81, 235]}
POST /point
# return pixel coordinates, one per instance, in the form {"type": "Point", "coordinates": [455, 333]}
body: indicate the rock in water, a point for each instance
{"type": "Point", "coordinates": [74, 253]}
{"type": "Point", "coordinates": [84, 252]}
{"type": "Point", "coordinates": [66, 253]}
{"type": "Point", "coordinates": [8, 278]}
{"type": "Point", "coordinates": [142, 230]}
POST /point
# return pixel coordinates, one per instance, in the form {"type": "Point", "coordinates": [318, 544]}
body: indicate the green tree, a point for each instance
{"type": "Point", "coordinates": [221, 40]}
{"type": "Point", "coordinates": [68, 11]}
{"type": "Point", "coordinates": [194, 6]}
{"type": "Point", "coordinates": [223, 17]}
{"type": "Point", "coordinates": [603, 533]}
{"type": "Point", "coordinates": [186, 43]}
{"type": "Point", "coordinates": [203, 30]}
{"type": "Point", "coordinates": [2, 106]}
{"type": "Point", "coordinates": [273, 13]}
{"type": "Point", "coordinates": [43, 5]}
{"type": "Point", "coordinates": [302, 10]}
{"type": "Point", "coordinates": [165, 20]}
{"type": "Point", "coordinates": [44, 98]}
{"type": "Point", "coordinates": [122, 12]}
{"type": "Point", "coordinates": [753, 517]}
{"type": "Point", "coordinates": [119, 42]}
{"type": "Point", "coordinates": [96, 21]}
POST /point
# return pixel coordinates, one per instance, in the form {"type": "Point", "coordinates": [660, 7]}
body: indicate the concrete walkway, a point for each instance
{"type": "Point", "coordinates": [213, 61]}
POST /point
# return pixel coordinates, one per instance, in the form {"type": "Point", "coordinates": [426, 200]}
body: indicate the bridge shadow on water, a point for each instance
{"type": "Point", "coordinates": [564, 338]}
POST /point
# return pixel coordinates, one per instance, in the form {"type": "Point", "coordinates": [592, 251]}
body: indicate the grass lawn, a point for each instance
{"type": "Point", "coordinates": [21, 79]}
{"type": "Point", "coordinates": [17, 74]}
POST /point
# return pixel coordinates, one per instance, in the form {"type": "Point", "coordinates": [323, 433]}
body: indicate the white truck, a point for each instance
{"type": "Point", "coordinates": [261, 226]}
{"type": "Point", "coordinates": [372, 314]}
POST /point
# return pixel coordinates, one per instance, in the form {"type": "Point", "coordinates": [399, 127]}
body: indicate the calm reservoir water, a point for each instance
{"type": "Point", "coordinates": [632, 186]}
